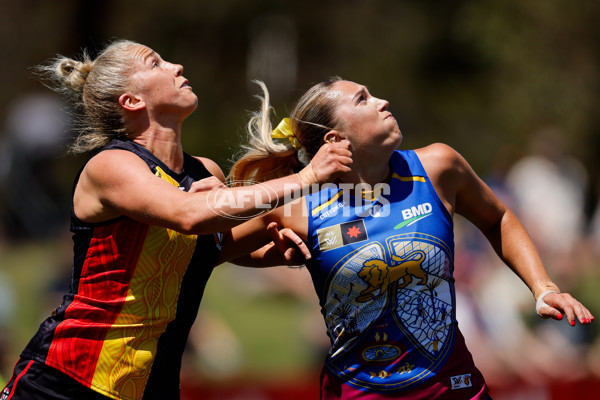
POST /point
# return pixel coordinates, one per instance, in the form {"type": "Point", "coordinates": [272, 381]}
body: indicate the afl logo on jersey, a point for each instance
{"type": "Point", "coordinates": [340, 235]}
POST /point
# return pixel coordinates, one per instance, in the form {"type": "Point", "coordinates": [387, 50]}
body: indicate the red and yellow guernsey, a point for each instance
{"type": "Point", "coordinates": [135, 293]}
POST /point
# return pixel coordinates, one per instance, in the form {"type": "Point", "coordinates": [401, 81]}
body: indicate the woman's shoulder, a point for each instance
{"type": "Point", "coordinates": [440, 156]}
{"type": "Point", "coordinates": [437, 150]}
{"type": "Point", "coordinates": [442, 161]}
{"type": "Point", "coordinates": [115, 164]}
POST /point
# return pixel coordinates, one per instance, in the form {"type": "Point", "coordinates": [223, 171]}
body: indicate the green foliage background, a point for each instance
{"type": "Point", "coordinates": [476, 74]}
{"type": "Point", "coordinates": [479, 75]}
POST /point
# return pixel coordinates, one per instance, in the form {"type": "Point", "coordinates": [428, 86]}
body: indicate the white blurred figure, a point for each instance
{"type": "Point", "coordinates": [35, 132]}
{"type": "Point", "coordinates": [549, 190]}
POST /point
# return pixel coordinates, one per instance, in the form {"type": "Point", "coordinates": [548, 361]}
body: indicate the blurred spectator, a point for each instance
{"type": "Point", "coordinates": [594, 227]}
{"type": "Point", "coordinates": [35, 132]}
{"type": "Point", "coordinates": [495, 308]}
{"type": "Point", "coordinates": [549, 188]}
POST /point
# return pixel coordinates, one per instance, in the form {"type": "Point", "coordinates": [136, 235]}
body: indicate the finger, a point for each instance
{"type": "Point", "coordinates": [273, 231]}
{"type": "Point", "coordinates": [206, 184]}
{"type": "Point", "coordinates": [345, 160]}
{"type": "Point", "coordinates": [585, 316]}
{"type": "Point", "coordinates": [276, 237]}
{"type": "Point", "coordinates": [342, 151]}
{"type": "Point", "coordinates": [290, 254]}
{"type": "Point", "coordinates": [297, 240]}
{"type": "Point", "coordinates": [550, 312]}
{"type": "Point", "coordinates": [570, 315]}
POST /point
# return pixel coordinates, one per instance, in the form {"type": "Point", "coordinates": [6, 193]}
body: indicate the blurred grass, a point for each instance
{"type": "Point", "coordinates": [30, 270]}
{"type": "Point", "coordinates": [275, 327]}
{"type": "Point", "coordinates": [267, 323]}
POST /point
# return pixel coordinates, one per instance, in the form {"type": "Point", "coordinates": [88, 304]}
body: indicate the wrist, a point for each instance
{"type": "Point", "coordinates": [541, 288]}
{"type": "Point", "coordinates": [307, 176]}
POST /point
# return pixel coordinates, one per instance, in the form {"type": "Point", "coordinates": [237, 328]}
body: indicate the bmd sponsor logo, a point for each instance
{"type": "Point", "coordinates": [414, 214]}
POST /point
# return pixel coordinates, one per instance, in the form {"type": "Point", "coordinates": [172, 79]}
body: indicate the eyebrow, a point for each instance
{"type": "Point", "coordinates": [151, 54]}
{"type": "Point", "coordinates": [363, 89]}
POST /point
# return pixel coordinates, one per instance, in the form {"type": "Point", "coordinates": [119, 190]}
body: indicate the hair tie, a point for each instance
{"type": "Point", "coordinates": [284, 131]}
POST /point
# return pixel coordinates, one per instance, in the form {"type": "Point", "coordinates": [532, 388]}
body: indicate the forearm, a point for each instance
{"type": "Point", "coordinates": [513, 244]}
{"type": "Point", "coordinates": [244, 239]}
{"type": "Point", "coordinates": [266, 256]}
{"type": "Point", "coordinates": [223, 209]}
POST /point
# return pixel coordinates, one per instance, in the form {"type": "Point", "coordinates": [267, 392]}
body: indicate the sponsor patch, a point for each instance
{"type": "Point", "coordinates": [414, 214]}
{"type": "Point", "coordinates": [340, 235]}
{"type": "Point", "coordinates": [461, 381]}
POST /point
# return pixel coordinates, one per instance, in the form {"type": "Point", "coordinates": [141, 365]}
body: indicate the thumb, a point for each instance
{"type": "Point", "coordinates": [549, 312]}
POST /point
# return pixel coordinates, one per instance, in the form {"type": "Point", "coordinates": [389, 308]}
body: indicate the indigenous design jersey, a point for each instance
{"type": "Point", "coordinates": [135, 293]}
{"type": "Point", "coordinates": [383, 272]}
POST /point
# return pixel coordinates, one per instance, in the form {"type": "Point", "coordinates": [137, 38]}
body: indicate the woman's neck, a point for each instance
{"type": "Point", "coordinates": [165, 144]}
{"type": "Point", "coordinates": [369, 169]}
{"type": "Point", "coordinates": [368, 176]}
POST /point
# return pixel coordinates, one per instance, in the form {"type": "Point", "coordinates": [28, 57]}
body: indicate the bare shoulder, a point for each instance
{"type": "Point", "coordinates": [447, 170]}
{"type": "Point", "coordinates": [441, 160]}
{"type": "Point", "coordinates": [212, 167]}
{"type": "Point", "coordinates": [438, 153]}
{"type": "Point", "coordinates": [103, 178]}
{"type": "Point", "coordinates": [109, 165]}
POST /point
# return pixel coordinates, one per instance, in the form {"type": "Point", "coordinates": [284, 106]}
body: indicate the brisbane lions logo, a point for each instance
{"type": "Point", "coordinates": [378, 275]}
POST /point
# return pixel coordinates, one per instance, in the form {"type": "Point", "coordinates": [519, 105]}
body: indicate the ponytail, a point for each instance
{"type": "Point", "coordinates": [93, 88]}
{"type": "Point", "coordinates": [270, 154]}
{"type": "Point", "coordinates": [264, 158]}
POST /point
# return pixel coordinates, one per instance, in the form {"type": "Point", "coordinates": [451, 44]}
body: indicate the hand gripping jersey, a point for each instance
{"type": "Point", "coordinates": [135, 292]}
{"type": "Point", "coordinates": [383, 272]}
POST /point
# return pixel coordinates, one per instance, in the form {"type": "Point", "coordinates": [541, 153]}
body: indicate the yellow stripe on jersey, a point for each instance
{"type": "Point", "coordinates": [316, 210]}
{"type": "Point", "coordinates": [130, 345]}
{"type": "Point", "coordinates": [408, 178]}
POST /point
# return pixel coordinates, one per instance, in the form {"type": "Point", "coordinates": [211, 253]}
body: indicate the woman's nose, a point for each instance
{"type": "Point", "coordinates": [178, 69]}
{"type": "Point", "coordinates": [383, 104]}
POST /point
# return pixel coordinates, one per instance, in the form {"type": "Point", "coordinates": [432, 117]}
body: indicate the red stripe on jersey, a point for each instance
{"type": "Point", "coordinates": [14, 386]}
{"type": "Point", "coordinates": [110, 262]}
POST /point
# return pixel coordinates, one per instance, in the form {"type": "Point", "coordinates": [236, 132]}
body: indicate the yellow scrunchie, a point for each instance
{"type": "Point", "coordinates": [284, 131]}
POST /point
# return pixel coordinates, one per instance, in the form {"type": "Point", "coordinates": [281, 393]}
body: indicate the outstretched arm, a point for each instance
{"type": "Point", "coordinates": [465, 193]}
{"type": "Point", "coordinates": [117, 182]}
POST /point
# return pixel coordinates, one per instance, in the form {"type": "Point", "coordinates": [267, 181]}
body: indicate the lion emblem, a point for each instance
{"type": "Point", "coordinates": [378, 275]}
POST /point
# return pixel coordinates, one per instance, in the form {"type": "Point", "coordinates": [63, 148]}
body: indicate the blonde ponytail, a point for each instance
{"type": "Point", "coordinates": [93, 88]}
{"type": "Point", "coordinates": [264, 158]}
{"type": "Point", "coordinates": [311, 118]}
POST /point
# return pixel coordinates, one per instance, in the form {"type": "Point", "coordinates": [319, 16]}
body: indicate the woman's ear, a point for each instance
{"type": "Point", "coordinates": [131, 103]}
{"type": "Point", "coordinates": [332, 136]}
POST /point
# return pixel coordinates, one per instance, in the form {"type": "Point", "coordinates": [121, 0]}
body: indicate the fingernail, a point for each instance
{"type": "Point", "coordinates": [559, 316]}
{"type": "Point", "coordinates": [572, 323]}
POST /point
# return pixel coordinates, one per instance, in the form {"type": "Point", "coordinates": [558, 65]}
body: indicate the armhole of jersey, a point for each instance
{"type": "Point", "coordinates": [309, 228]}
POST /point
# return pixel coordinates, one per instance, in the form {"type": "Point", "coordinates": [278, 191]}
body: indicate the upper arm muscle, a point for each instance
{"type": "Point", "coordinates": [117, 182]}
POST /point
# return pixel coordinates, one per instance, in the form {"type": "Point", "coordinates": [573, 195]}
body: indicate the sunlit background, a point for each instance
{"type": "Point", "coordinates": [512, 85]}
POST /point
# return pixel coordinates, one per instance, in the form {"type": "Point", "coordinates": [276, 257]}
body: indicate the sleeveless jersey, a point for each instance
{"type": "Point", "coordinates": [383, 271]}
{"type": "Point", "coordinates": [135, 293]}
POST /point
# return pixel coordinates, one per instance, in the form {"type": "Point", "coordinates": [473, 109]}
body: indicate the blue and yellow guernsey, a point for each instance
{"type": "Point", "coordinates": [383, 272]}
